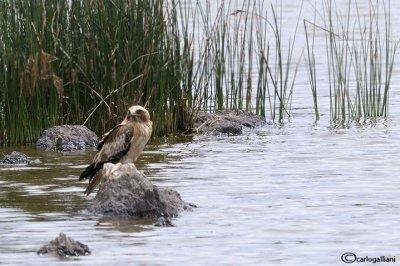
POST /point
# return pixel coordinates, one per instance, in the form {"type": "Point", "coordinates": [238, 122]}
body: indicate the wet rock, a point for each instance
{"type": "Point", "coordinates": [16, 158]}
{"type": "Point", "coordinates": [64, 246]}
{"type": "Point", "coordinates": [162, 221]}
{"type": "Point", "coordinates": [226, 122]}
{"type": "Point", "coordinates": [67, 138]}
{"type": "Point", "coordinates": [126, 192]}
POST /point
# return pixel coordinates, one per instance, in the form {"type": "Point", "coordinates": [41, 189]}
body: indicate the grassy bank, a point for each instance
{"type": "Point", "coordinates": [85, 62]}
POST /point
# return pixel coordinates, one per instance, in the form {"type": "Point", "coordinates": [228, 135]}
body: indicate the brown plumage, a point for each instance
{"type": "Point", "coordinates": [122, 144]}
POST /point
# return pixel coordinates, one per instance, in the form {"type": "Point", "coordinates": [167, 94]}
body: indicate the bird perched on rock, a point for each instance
{"type": "Point", "coordinates": [122, 144]}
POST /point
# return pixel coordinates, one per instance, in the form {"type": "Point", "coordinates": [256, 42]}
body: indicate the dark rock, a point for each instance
{"type": "Point", "coordinates": [67, 138]}
{"type": "Point", "coordinates": [125, 192]}
{"type": "Point", "coordinates": [226, 122]}
{"type": "Point", "coordinates": [16, 158]}
{"type": "Point", "coordinates": [227, 127]}
{"type": "Point", "coordinates": [64, 246]}
{"type": "Point", "coordinates": [162, 221]}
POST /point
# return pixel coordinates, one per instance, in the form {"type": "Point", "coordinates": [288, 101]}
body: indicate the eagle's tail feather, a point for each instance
{"type": "Point", "coordinates": [93, 184]}
{"type": "Point", "coordinates": [90, 171]}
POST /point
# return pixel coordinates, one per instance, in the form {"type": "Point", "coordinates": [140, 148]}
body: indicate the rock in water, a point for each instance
{"type": "Point", "coordinates": [226, 122]}
{"type": "Point", "coordinates": [124, 191]}
{"type": "Point", "coordinates": [64, 246]}
{"type": "Point", "coordinates": [15, 158]}
{"type": "Point", "coordinates": [67, 138]}
{"type": "Point", "coordinates": [162, 221]}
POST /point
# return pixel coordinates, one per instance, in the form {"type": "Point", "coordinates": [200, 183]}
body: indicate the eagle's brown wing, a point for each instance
{"type": "Point", "coordinates": [104, 137]}
{"type": "Point", "coordinates": [114, 145]}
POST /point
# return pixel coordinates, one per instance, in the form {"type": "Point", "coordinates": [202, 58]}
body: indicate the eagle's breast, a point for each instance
{"type": "Point", "coordinates": [142, 133]}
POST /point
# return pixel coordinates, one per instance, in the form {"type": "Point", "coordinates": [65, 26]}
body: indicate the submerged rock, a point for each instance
{"type": "Point", "coordinates": [16, 158]}
{"type": "Point", "coordinates": [67, 138]}
{"type": "Point", "coordinates": [126, 192]}
{"type": "Point", "coordinates": [226, 122]}
{"type": "Point", "coordinates": [64, 246]}
{"type": "Point", "coordinates": [162, 221]}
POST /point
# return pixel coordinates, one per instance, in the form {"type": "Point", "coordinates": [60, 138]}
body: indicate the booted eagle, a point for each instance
{"type": "Point", "coordinates": [122, 144]}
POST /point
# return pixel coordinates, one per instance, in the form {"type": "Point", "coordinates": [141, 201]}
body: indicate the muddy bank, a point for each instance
{"type": "Point", "coordinates": [64, 246]}
{"type": "Point", "coordinates": [226, 122]}
{"type": "Point", "coordinates": [67, 138]}
{"type": "Point", "coordinates": [125, 192]}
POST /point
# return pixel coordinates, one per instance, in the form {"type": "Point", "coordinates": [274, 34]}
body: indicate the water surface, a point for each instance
{"type": "Point", "coordinates": [297, 194]}
{"type": "Point", "coordinates": [291, 195]}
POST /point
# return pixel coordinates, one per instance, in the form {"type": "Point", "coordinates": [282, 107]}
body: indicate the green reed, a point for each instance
{"type": "Point", "coordinates": [311, 66]}
{"type": "Point", "coordinates": [360, 53]}
{"type": "Point", "coordinates": [282, 72]}
{"type": "Point", "coordinates": [248, 61]}
{"type": "Point", "coordinates": [85, 62]}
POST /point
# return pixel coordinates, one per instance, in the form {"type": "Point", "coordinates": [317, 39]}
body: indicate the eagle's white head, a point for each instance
{"type": "Point", "coordinates": [137, 113]}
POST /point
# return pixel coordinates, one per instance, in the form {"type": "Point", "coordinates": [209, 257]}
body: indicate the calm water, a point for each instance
{"type": "Point", "coordinates": [300, 194]}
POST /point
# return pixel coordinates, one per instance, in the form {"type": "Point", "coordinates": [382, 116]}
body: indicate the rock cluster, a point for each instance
{"type": "Point", "coordinates": [226, 122]}
{"type": "Point", "coordinates": [67, 138]}
{"type": "Point", "coordinates": [125, 192]}
{"type": "Point", "coordinates": [64, 246]}
{"type": "Point", "coordinates": [16, 158]}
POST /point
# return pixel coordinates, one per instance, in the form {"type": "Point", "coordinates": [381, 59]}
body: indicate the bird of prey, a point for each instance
{"type": "Point", "coordinates": [122, 144]}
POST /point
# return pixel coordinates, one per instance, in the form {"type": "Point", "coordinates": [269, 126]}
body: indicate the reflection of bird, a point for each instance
{"type": "Point", "coordinates": [122, 144]}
